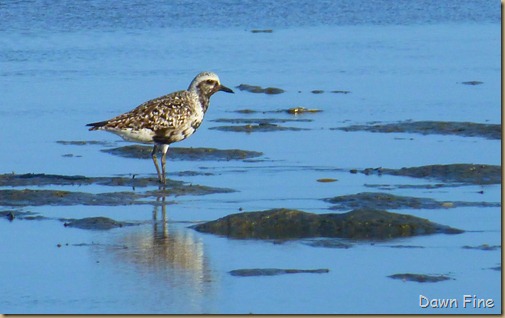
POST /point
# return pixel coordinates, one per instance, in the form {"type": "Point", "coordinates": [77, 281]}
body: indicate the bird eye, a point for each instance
{"type": "Point", "coordinates": [209, 82]}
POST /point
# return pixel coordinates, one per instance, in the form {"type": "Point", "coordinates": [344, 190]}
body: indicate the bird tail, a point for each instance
{"type": "Point", "coordinates": [97, 125]}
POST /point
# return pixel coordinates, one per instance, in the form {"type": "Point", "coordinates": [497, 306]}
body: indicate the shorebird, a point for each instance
{"type": "Point", "coordinates": [166, 119]}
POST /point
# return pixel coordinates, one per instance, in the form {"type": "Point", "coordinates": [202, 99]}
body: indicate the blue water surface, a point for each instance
{"type": "Point", "coordinates": [66, 64]}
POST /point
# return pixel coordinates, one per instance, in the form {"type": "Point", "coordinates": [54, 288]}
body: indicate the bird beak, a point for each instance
{"type": "Point", "coordinates": [225, 89]}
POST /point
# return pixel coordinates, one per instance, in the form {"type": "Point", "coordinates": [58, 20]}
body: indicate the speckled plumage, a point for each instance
{"type": "Point", "coordinates": [166, 119]}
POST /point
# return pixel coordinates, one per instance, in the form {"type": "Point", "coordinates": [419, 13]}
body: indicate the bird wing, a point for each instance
{"type": "Point", "coordinates": [165, 112]}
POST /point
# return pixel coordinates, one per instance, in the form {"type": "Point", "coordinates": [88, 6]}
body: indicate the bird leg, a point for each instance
{"type": "Point", "coordinates": [155, 160]}
{"type": "Point", "coordinates": [164, 149]}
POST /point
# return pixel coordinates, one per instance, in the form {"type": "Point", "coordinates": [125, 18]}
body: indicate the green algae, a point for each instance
{"type": "Point", "coordinates": [294, 224]}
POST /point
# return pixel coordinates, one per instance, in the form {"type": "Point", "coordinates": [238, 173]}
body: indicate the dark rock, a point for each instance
{"type": "Point", "coordinates": [294, 224]}
{"type": "Point", "coordinates": [472, 83]}
{"type": "Point", "coordinates": [420, 278]}
{"type": "Point", "coordinates": [258, 120]}
{"type": "Point", "coordinates": [273, 90]}
{"type": "Point", "coordinates": [465, 129]}
{"type": "Point", "coordinates": [328, 243]}
{"type": "Point", "coordinates": [325, 180]}
{"type": "Point", "coordinates": [274, 271]}
{"type": "Point", "coordinates": [407, 186]}
{"type": "Point", "coordinates": [377, 200]}
{"type": "Point", "coordinates": [261, 127]}
{"type": "Point", "coordinates": [302, 110]}
{"type": "Point", "coordinates": [259, 89]}
{"type": "Point", "coordinates": [41, 179]}
{"type": "Point", "coordinates": [95, 223]}
{"type": "Point", "coordinates": [483, 247]}
{"type": "Point", "coordinates": [262, 31]}
{"type": "Point", "coordinates": [29, 197]}
{"type": "Point", "coordinates": [246, 111]}
{"type": "Point", "coordinates": [177, 153]}
{"type": "Point", "coordinates": [11, 215]}
{"type": "Point", "coordinates": [459, 173]}
{"type": "Point", "coordinates": [84, 143]}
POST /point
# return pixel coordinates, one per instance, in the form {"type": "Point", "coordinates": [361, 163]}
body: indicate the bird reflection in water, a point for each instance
{"type": "Point", "coordinates": [173, 254]}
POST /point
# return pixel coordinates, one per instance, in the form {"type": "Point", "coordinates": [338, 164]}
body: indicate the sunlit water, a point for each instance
{"type": "Point", "coordinates": [63, 66]}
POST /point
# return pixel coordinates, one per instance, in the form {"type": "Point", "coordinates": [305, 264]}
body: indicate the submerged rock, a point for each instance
{"type": "Point", "coordinates": [294, 224]}
{"type": "Point", "coordinates": [28, 197]}
{"type": "Point", "coordinates": [465, 129]}
{"type": "Point", "coordinates": [379, 200]}
{"type": "Point", "coordinates": [464, 173]}
{"type": "Point", "coordinates": [16, 214]}
{"type": "Point", "coordinates": [95, 223]}
{"type": "Point", "coordinates": [144, 152]}
{"type": "Point", "coordinates": [420, 278]}
{"type": "Point", "coordinates": [261, 127]}
{"type": "Point", "coordinates": [326, 180]}
{"type": "Point", "coordinates": [262, 31]}
{"type": "Point", "coordinates": [259, 89]}
{"type": "Point", "coordinates": [293, 111]}
{"type": "Point", "coordinates": [302, 110]}
{"type": "Point", "coordinates": [472, 83]}
{"type": "Point", "coordinates": [258, 124]}
{"type": "Point", "coordinates": [457, 173]}
{"type": "Point", "coordinates": [328, 243]}
{"type": "Point", "coordinates": [258, 120]}
{"type": "Point", "coordinates": [275, 271]}
{"type": "Point", "coordinates": [84, 142]}
{"type": "Point", "coordinates": [41, 179]}
{"type": "Point", "coordinates": [483, 247]}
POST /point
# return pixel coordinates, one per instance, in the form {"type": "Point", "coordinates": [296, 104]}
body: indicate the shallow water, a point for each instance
{"type": "Point", "coordinates": [65, 66]}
